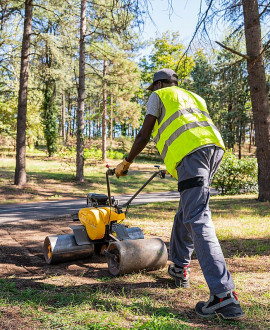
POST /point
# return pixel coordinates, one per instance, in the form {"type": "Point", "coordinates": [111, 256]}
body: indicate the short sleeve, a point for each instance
{"type": "Point", "coordinates": [154, 106]}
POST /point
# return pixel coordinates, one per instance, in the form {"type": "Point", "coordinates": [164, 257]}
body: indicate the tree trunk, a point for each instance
{"type": "Point", "coordinates": [69, 118]}
{"type": "Point", "coordinates": [73, 121]}
{"type": "Point", "coordinates": [89, 124]}
{"type": "Point", "coordinates": [81, 95]}
{"type": "Point", "coordinates": [250, 137]}
{"type": "Point", "coordinates": [111, 125]}
{"type": "Point", "coordinates": [20, 172]}
{"type": "Point", "coordinates": [259, 94]}
{"type": "Point", "coordinates": [104, 113]}
{"type": "Point", "coordinates": [63, 123]}
{"type": "Point", "coordinates": [240, 142]}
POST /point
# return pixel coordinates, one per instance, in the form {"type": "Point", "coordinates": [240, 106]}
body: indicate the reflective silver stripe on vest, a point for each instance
{"type": "Point", "coordinates": [181, 130]}
{"type": "Point", "coordinates": [175, 115]}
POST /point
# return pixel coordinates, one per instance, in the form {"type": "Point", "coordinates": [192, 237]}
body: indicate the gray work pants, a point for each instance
{"type": "Point", "coordinates": [193, 226]}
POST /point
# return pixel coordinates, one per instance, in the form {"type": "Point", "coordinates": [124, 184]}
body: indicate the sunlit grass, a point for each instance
{"type": "Point", "coordinates": [55, 177]}
{"type": "Point", "coordinates": [150, 300]}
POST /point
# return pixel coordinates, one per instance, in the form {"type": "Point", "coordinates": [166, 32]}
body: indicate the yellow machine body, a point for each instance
{"type": "Point", "coordinates": [95, 219]}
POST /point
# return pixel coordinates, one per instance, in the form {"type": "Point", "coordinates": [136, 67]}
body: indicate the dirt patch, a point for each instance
{"type": "Point", "coordinates": [11, 318]}
{"type": "Point", "coordinates": [22, 261]}
{"type": "Point", "coordinates": [21, 251]}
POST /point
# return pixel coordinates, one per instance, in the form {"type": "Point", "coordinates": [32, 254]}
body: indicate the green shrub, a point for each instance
{"type": "Point", "coordinates": [113, 154]}
{"type": "Point", "coordinates": [95, 153]}
{"type": "Point", "coordinates": [67, 152]}
{"type": "Point", "coordinates": [235, 175]}
{"type": "Point", "coordinates": [92, 153]}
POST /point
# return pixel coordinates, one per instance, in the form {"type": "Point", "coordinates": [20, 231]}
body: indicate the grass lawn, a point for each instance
{"type": "Point", "coordinates": [54, 178]}
{"type": "Point", "coordinates": [80, 296]}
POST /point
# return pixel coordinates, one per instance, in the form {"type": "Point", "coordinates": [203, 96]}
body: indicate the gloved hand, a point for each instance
{"type": "Point", "coordinates": [122, 168]}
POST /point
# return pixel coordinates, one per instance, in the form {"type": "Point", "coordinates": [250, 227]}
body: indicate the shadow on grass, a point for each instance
{"type": "Point", "coordinates": [246, 247]}
{"type": "Point", "coordinates": [232, 206]}
{"type": "Point", "coordinates": [116, 298]}
{"type": "Point", "coordinates": [15, 193]}
{"type": "Point", "coordinates": [39, 175]}
{"type": "Point", "coordinates": [139, 297]}
{"type": "Point", "coordinates": [131, 182]}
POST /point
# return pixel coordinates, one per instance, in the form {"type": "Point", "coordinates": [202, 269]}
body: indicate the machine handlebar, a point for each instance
{"type": "Point", "coordinates": [111, 172]}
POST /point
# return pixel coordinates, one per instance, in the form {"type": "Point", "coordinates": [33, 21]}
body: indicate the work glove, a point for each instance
{"type": "Point", "coordinates": [122, 168]}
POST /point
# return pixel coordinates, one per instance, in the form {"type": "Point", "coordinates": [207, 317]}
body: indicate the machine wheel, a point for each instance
{"type": "Point", "coordinates": [134, 255]}
{"type": "Point", "coordinates": [64, 248]}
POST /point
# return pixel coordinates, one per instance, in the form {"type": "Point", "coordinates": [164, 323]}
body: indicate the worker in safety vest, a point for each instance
{"type": "Point", "coordinates": [192, 149]}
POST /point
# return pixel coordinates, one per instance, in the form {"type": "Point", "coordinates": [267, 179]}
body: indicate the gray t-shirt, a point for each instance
{"type": "Point", "coordinates": [155, 106]}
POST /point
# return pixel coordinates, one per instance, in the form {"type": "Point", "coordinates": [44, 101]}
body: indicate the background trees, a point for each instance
{"type": "Point", "coordinates": [112, 103]}
{"type": "Point", "coordinates": [246, 17]}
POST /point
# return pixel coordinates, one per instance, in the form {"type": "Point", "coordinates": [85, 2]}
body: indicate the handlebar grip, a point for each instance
{"type": "Point", "coordinates": [111, 171]}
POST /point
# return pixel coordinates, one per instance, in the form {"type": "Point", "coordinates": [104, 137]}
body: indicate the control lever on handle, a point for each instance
{"type": "Point", "coordinates": [112, 171]}
{"type": "Point", "coordinates": [109, 170]}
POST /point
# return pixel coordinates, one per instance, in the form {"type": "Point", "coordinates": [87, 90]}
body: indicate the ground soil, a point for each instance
{"type": "Point", "coordinates": [22, 258]}
{"type": "Point", "coordinates": [21, 250]}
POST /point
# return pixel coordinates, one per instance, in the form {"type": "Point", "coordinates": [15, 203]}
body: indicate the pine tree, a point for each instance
{"type": "Point", "coordinates": [20, 172]}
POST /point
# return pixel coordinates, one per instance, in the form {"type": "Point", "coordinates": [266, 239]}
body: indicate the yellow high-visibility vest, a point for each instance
{"type": "Point", "coordinates": [185, 127]}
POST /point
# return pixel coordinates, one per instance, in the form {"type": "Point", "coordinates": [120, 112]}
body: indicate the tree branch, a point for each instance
{"type": "Point", "coordinates": [265, 47]}
{"type": "Point", "coordinates": [264, 10]}
{"type": "Point", "coordinates": [196, 29]}
{"type": "Point", "coordinates": [233, 51]}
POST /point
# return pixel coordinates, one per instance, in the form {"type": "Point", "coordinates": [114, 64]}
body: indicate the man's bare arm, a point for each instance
{"type": "Point", "coordinates": [142, 137]}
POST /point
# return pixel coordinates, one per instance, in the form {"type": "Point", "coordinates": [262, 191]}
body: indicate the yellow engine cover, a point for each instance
{"type": "Point", "coordinates": [95, 220]}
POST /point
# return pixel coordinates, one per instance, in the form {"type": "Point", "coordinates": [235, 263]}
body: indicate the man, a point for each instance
{"type": "Point", "coordinates": [192, 149]}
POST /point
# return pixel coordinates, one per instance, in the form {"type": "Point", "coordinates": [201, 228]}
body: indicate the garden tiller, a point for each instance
{"type": "Point", "coordinates": [102, 231]}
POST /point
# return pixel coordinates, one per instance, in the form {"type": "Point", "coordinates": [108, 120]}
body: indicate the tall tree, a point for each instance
{"type": "Point", "coordinates": [81, 96]}
{"type": "Point", "coordinates": [104, 111]}
{"type": "Point", "coordinates": [20, 171]}
{"type": "Point", "coordinates": [49, 117]}
{"type": "Point", "coordinates": [63, 117]}
{"type": "Point", "coordinates": [259, 93]}
{"type": "Point", "coordinates": [245, 13]}
{"type": "Point", "coordinates": [52, 62]}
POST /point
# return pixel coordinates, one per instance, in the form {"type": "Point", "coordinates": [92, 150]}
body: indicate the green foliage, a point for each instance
{"type": "Point", "coordinates": [96, 154]}
{"type": "Point", "coordinates": [223, 85]}
{"type": "Point", "coordinates": [50, 120]}
{"type": "Point", "coordinates": [8, 109]}
{"type": "Point", "coordinates": [92, 153]}
{"type": "Point", "coordinates": [236, 176]}
{"type": "Point", "coordinates": [203, 78]}
{"type": "Point", "coordinates": [113, 154]}
{"type": "Point", "coordinates": [167, 53]}
{"type": "Point", "coordinates": [232, 94]}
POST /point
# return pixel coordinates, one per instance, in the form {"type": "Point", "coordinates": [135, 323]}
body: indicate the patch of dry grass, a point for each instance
{"type": "Point", "coordinates": [54, 178]}
{"type": "Point", "coordinates": [82, 295]}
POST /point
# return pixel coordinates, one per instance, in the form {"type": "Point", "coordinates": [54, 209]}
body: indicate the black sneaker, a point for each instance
{"type": "Point", "coordinates": [180, 275]}
{"type": "Point", "coordinates": [224, 304]}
